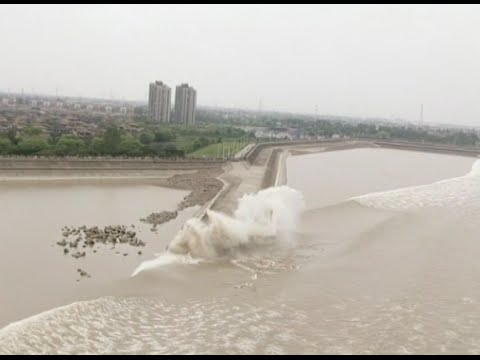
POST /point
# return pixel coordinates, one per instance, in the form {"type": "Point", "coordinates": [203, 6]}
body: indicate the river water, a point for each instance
{"type": "Point", "coordinates": [383, 259]}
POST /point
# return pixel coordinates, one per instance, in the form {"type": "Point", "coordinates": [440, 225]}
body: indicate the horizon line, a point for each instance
{"type": "Point", "coordinates": [254, 110]}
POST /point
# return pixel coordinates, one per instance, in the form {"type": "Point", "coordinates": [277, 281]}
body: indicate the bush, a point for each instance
{"type": "Point", "coordinates": [5, 146]}
{"type": "Point", "coordinates": [69, 145]}
{"type": "Point", "coordinates": [32, 145]}
{"type": "Point", "coordinates": [131, 146]}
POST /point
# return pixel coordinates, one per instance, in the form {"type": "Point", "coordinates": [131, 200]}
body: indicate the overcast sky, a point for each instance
{"type": "Point", "coordinates": [365, 60]}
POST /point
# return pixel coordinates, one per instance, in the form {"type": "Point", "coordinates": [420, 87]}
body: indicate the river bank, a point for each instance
{"type": "Point", "coordinates": [256, 168]}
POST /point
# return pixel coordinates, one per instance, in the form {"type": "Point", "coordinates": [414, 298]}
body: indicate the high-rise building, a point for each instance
{"type": "Point", "coordinates": [159, 102]}
{"type": "Point", "coordinates": [185, 102]}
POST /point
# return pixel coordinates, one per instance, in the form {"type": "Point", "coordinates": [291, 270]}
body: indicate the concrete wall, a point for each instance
{"type": "Point", "coordinates": [271, 169]}
{"type": "Point", "coordinates": [454, 150]}
{"type": "Point", "coordinates": [252, 155]}
{"type": "Point", "coordinates": [97, 164]}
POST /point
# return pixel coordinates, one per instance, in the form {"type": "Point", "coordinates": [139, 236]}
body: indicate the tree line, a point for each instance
{"type": "Point", "coordinates": [156, 141]}
{"type": "Point", "coordinates": [328, 128]}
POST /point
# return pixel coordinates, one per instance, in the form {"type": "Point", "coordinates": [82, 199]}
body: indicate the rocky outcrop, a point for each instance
{"type": "Point", "coordinates": [203, 184]}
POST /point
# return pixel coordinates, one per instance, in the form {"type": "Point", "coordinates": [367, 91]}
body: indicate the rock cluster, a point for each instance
{"type": "Point", "coordinates": [79, 254]}
{"type": "Point", "coordinates": [94, 235]}
{"type": "Point", "coordinates": [83, 273]}
{"type": "Point", "coordinates": [160, 218]}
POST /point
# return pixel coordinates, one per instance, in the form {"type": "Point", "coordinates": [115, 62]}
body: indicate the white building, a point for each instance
{"type": "Point", "coordinates": [265, 133]}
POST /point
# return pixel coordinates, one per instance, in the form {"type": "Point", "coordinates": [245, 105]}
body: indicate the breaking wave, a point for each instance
{"type": "Point", "coordinates": [460, 192]}
{"type": "Point", "coordinates": [261, 219]}
{"type": "Point", "coordinates": [149, 326]}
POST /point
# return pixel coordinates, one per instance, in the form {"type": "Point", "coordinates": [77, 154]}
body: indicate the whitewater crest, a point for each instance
{"type": "Point", "coordinates": [261, 219]}
{"type": "Point", "coordinates": [460, 193]}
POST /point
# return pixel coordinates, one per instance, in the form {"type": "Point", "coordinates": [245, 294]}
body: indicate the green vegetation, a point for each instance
{"type": "Point", "coordinates": [5, 146]}
{"type": "Point", "coordinates": [166, 141]}
{"type": "Point", "coordinates": [346, 127]}
{"type": "Point", "coordinates": [69, 145]}
{"type": "Point", "coordinates": [217, 134]}
{"type": "Point", "coordinates": [32, 145]}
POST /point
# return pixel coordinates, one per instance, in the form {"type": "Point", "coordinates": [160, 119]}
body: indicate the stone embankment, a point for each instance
{"type": "Point", "coordinates": [101, 164]}
{"type": "Point", "coordinates": [203, 185]}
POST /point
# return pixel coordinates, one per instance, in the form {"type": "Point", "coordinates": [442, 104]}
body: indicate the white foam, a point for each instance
{"type": "Point", "coordinates": [163, 259]}
{"type": "Point", "coordinates": [135, 325]}
{"type": "Point", "coordinates": [263, 218]}
{"type": "Point", "coordinates": [459, 192]}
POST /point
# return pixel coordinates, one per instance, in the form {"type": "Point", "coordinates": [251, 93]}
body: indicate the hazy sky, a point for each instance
{"type": "Point", "coordinates": [364, 60]}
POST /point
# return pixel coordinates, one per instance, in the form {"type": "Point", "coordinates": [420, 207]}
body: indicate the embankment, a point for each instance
{"type": "Point", "coordinates": [257, 169]}
{"type": "Point", "coordinates": [263, 161]}
{"type": "Point", "coordinates": [102, 165]}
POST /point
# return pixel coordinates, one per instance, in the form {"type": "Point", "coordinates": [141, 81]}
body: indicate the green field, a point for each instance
{"type": "Point", "coordinates": [218, 150]}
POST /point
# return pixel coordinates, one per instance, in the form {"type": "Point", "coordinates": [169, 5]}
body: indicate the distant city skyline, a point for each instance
{"type": "Point", "coordinates": [144, 101]}
{"type": "Point", "coordinates": [351, 60]}
{"type": "Point", "coordinates": [87, 99]}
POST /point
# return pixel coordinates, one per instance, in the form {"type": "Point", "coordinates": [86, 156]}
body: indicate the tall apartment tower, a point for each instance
{"type": "Point", "coordinates": [159, 102]}
{"type": "Point", "coordinates": [185, 102]}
